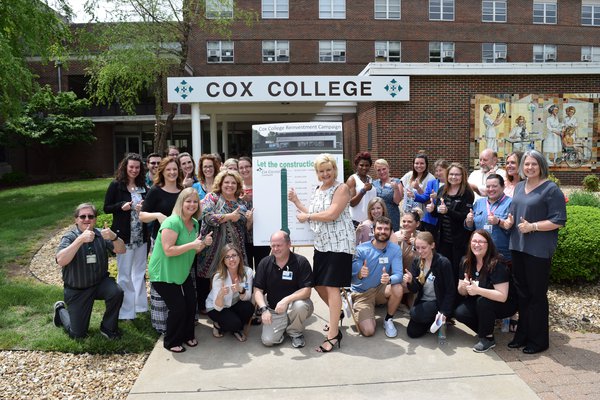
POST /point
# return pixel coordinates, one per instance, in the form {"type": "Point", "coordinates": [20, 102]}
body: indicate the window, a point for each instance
{"type": "Point", "coordinates": [219, 52]}
{"type": "Point", "coordinates": [590, 13]}
{"type": "Point", "coordinates": [219, 9]}
{"type": "Point", "coordinates": [332, 9]}
{"type": "Point", "coordinates": [387, 9]}
{"type": "Point", "coordinates": [493, 52]}
{"type": "Point", "coordinates": [544, 53]}
{"type": "Point", "coordinates": [275, 9]}
{"type": "Point", "coordinates": [275, 51]}
{"type": "Point", "coordinates": [387, 51]}
{"type": "Point", "coordinates": [544, 12]}
{"type": "Point", "coordinates": [493, 11]}
{"type": "Point", "coordinates": [590, 54]}
{"type": "Point", "coordinates": [332, 51]}
{"type": "Point", "coordinates": [441, 10]}
{"type": "Point", "coordinates": [441, 52]}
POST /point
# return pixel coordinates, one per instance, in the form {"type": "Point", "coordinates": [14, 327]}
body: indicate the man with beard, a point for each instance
{"type": "Point", "coordinates": [377, 279]}
{"type": "Point", "coordinates": [488, 164]}
{"type": "Point", "coordinates": [152, 162]}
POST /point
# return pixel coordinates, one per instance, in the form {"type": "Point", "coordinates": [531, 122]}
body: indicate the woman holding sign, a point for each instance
{"type": "Point", "coordinates": [228, 303]}
{"type": "Point", "coordinates": [329, 217]}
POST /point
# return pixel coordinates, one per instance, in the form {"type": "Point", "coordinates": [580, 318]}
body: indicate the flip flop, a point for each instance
{"type": "Point", "coordinates": [240, 336]}
{"type": "Point", "coordinates": [192, 342]}
{"type": "Point", "coordinates": [216, 332]}
{"type": "Point", "coordinates": [177, 349]}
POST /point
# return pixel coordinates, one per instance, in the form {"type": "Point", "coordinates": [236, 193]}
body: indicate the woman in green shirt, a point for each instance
{"type": "Point", "coordinates": [176, 244]}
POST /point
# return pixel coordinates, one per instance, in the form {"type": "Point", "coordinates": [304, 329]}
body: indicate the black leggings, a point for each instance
{"type": "Point", "coordinates": [422, 316]}
{"type": "Point", "coordinates": [181, 302]}
{"type": "Point", "coordinates": [234, 318]}
{"type": "Point", "coordinates": [480, 313]}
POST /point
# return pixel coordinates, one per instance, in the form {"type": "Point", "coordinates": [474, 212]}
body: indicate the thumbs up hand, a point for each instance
{"type": "Point", "coordinates": [364, 271]}
{"type": "Point", "coordinates": [509, 221]}
{"type": "Point", "coordinates": [385, 277]}
{"type": "Point", "coordinates": [470, 218]}
{"type": "Point", "coordinates": [407, 277]}
{"type": "Point", "coordinates": [463, 283]}
{"type": "Point", "coordinates": [442, 208]}
{"type": "Point", "coordinates": [107, 233]}
{"type": "Point", "coordinates": [525, 226]}
{"type": "Point", "coordinates": [431, 205]}
{"type": "Point", "coordinates": [235, 215]}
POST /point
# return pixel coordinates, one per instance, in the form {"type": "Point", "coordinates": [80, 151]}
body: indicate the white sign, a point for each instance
{"type": "Point", "coordinates": [283, 157]}
{"type": "Point", "coordinates": [227, 89]}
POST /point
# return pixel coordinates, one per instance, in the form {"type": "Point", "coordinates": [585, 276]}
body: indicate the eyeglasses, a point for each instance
{"type": "Point", "coordinates": [173, 154]}
{"type": "Point", "coordinates": [454, 174]}
{"type": "Point", "coordinates": [208, 167]}
{"type": "Point", "coordinates": [154, 163]}
{"type": "Point", "coordinates": [86, 216]}
{"type": "Point", "coordinates": [482, 242]}
{"type": "Point", "coordinates": [231, 257]}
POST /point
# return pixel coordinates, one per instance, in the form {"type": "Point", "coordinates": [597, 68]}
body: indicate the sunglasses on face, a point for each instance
{"type": "Point", "coordinates": [154, 162]}
{"type": "Point", "coordinates": [86, 216]}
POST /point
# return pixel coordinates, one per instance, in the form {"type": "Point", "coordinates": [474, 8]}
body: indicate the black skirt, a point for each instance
{"type": "Point", "coordinates": [332, 269]}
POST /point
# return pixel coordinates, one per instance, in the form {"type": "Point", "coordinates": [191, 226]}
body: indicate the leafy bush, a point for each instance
{"type": "Point", "coordinates": [577, 257]}
{"type": "Point", "coordinates": [102, 218]}
{"type": "Point", "coordinates": [591, 183]}
{"type": "Point", "coordinates": [554, 179]}
{"type": "Point", "coordinates": [348, 169]}
{"type": "Point", "coordinates": [13, 178]}
{"type": "Point", "coordinates": [581, 198]}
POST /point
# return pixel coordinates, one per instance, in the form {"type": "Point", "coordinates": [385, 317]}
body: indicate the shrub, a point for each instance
{"type": "Point", "coordinates": [577, 257]}
{"type": "Point", "coordinates": [591, 183]}
{"type": "Point", "coordinates": [102, 218]}
{"type": "Point", "coordinates": [554, 179]}
{"type": "Point", "coordinates": [581, 198]}
{"type": "Point", "coordinates": [348, 169]}
{"type": "Point", "coordinates": [14, 178]}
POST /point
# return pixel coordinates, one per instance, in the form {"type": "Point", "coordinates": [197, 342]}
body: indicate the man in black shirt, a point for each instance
{"type": "Point", "coordinates": [83, 254]}
{"type": "Point", "coordinates": [282, 287]}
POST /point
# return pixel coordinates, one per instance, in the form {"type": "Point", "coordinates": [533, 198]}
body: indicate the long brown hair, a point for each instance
{"type": "Point", "coordinates": [490, 259]}
{"type": "Point", "coordinates": [221, 269]}
{"type": "Point", "coordinates": [464, 184]}
{"type": "Point", "coordinates": [121, 173]}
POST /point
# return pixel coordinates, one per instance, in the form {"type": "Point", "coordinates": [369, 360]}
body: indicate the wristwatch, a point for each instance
{"type": "Point", "coordinates": [263, 309]}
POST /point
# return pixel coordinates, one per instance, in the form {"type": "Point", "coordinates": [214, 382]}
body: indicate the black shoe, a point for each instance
{"type": "Point", "coordinates": [59, 305]}
{"type": "Point", "coordinates": [515, 345]}
{"type": "Point", "coordinates": [338, 342]}
{"type": "Point", "coordinates": [532, 350]}
{"type": "Point", "coordinates": [484, 345]}
{"type": "Point", "coordinates": [109, 334]}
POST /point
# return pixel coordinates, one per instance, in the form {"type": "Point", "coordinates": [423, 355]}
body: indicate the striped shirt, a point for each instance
{"type": "Point", "coordinates": [79, 274]}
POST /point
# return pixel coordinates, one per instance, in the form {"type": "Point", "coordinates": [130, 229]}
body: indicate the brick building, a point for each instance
{"type": "Point", "coordinates": [457, 53]}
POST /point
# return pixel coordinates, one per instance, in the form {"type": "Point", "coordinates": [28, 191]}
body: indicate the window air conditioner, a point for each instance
{"type": "Point", "coordinates": [381, 53]}
{"type": "Point", "coordinates": [586, 57]}
{"type": "Point", "coordinates": [550, 57]}
{"type": "Point", "coordinates": [337, 53]}
{"type": "Point", "coordinates": [213, 53]}
{"type": "Point", "coordinates": [448, 54]}
{"type": "Point", "coordinates": [282, 53]}
{"type": "Point", "coordinates": [501, 54]}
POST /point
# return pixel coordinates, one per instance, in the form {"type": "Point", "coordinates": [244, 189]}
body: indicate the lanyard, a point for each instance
{"type": "Point", "coordinates": [497, 203]}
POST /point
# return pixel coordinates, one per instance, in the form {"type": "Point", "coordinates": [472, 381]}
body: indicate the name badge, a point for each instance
{"type": "Point", "coordinates": [287, 275]}
{"type": "Point", "coordinates": [90, 259]}
{"type": "Point", "coordinates": [431, 278]}
{"type": "Point", "coordinates": [488, 228]}
{"type": "Point", "coordinates": [383, 260]}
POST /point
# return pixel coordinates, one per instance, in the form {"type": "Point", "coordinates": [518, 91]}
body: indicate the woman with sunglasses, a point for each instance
{"type": "Point", "coordinates": [228, 303]}
{"type": "Point", "coordinates": [123, 199]}
{"type": "Point", "coordinates": [485, 290]}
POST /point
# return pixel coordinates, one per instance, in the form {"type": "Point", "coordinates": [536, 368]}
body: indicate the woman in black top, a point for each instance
{"type": "Point", "coordinates": [430, 276]}
{"type": "Point", "coordinates": [485, 289]}
{"type": "Point", "coordinates": [124, 198]}
{"type": "Point", "coordinates": [157, 207]}
{"type": "Point", "coordinates": [452, 204]}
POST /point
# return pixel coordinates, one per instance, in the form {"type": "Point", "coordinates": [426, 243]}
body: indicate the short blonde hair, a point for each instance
{"type": "Point", "coordinates": [324, 159]}
{"type": "Point", "coordinates": [183, 196]}
{"type": "Point", "coordinates": [221, 176]}
{"type": "Point", "coordinates": [381, 161]}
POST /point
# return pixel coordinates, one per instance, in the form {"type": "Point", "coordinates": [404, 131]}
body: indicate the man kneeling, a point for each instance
{"type": "Point", "coordinates": [376, 279]}
{"type": "Point", "coordinates": [282, 287]}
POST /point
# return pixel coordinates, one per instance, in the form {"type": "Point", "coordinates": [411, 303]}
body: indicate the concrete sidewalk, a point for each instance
{"type": "Point", "coordinates": [363, 367]}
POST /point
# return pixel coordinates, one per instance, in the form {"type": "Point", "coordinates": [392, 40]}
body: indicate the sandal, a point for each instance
{"type": "Point", "coordinates": [338, 342]}
{"type": "Point", "coordinates": [217, 330]}
{"type": "Point", "coordinates": [240, 336]}
{"type": "Point", "coordinates": [326, 327]}
{"type": "Point", "coordinates": [192, 342]}
{"type": "Point", "coordinates": [512, 325]}
{"type": "Point", "coordinates": [177, 349]}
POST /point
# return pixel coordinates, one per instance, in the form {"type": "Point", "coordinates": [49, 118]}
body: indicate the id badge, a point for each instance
{"type": "Point", "coordinates": [90, 259]}
{"type": "Point", "coordinates": [139, 190]}
{"type": "Point", "coordinates": [287, 275]}
{"type": "Point", "coordinates": [383, 260]}
{"type": "Point", "coordinates": [476, 283]}
{"type": "Point", "coordinates": [488, 228]}
{"type": "Point", "coordinates": [431, 278]}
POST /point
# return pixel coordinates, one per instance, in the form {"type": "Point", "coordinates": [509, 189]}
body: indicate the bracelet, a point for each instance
{"type": "Point", "coordinates": [363, 191]}
{"type": "Point", "coordinates": [308, 219]}
{"type": "Point", "coordinates": [535, 226]}
{"type": "Point", "coordinates": [243, 291]}
{"type": "Point", "coordinates": [115, 239]}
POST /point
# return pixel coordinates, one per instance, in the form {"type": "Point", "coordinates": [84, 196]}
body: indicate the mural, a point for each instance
{"type": "Point", "coordinates": [565, 127]}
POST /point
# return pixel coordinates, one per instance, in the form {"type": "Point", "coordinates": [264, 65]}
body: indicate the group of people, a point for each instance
{"type": "Point", "coordinates": [450, 246]}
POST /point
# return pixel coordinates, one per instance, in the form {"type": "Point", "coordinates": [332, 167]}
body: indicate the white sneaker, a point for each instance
{"type": "Point", "coordinates": [390, 328]}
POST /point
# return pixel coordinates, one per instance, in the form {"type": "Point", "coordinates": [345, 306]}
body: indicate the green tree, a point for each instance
{"type": "Point", "coordinates": [51, 120]}
{"type": "Point", "coordinates": [157, 36]}
{"type": "Point", "coordinates": [28, 28]}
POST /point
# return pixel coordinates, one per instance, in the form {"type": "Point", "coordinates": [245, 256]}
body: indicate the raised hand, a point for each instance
{"type": "Point", "coordinates": [126, 206]}
{"type": "Point", "coordinates": [509, 221]}
{"type": "Point", "coordinates": [442, 208]}
{"type": "Point", "coordinates": [524, 226]}
{"type": "Point", "coordinates": [292, 195]}
{"type": "Point", "coordinates": [235, 215]}
{"type": "Point", "coordinates": [407, 277]}
{"type": "Point", "coordinates": [385, 277]}
{"type": "Point", "coordinates": [364, 271]}
{"type": "Point", "coordinates": [431, 205]}
{"type": "Point", "coordinates": [106, 233]}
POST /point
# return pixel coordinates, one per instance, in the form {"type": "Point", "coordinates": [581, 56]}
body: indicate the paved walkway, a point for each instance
{"type": "Point", "coordinates": [366, 367]}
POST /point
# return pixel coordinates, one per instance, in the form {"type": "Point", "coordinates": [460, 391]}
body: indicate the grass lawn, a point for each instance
{"type": "Point", "coordinates": [27, 217]}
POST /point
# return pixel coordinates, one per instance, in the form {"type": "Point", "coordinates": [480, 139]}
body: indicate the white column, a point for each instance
{"type": "Point", "coordinates": [214, 145]}
{"type": "Point", "coordinates": [225, 138]}
{"type": "Point", "coordinates": [196, 132]}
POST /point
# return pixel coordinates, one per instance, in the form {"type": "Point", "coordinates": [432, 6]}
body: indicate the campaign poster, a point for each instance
{"type": "Point", "coordinates": [283, 158]}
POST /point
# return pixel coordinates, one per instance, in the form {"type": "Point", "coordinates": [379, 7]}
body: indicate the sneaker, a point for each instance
{"type": "Point", "coordinates": [109, 334]}
{"type": "Point", "coordinates": [57, 307]}
{"type": "Point", "coordinates": [298, 341]}
{"type": "Point", "coordinates": [390, 328]}
{"type": "Point", "coordinates": [484, 345]}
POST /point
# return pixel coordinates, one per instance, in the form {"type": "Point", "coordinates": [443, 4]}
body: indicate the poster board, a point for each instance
{"type": "Point", "coordinates": [283, 157]}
